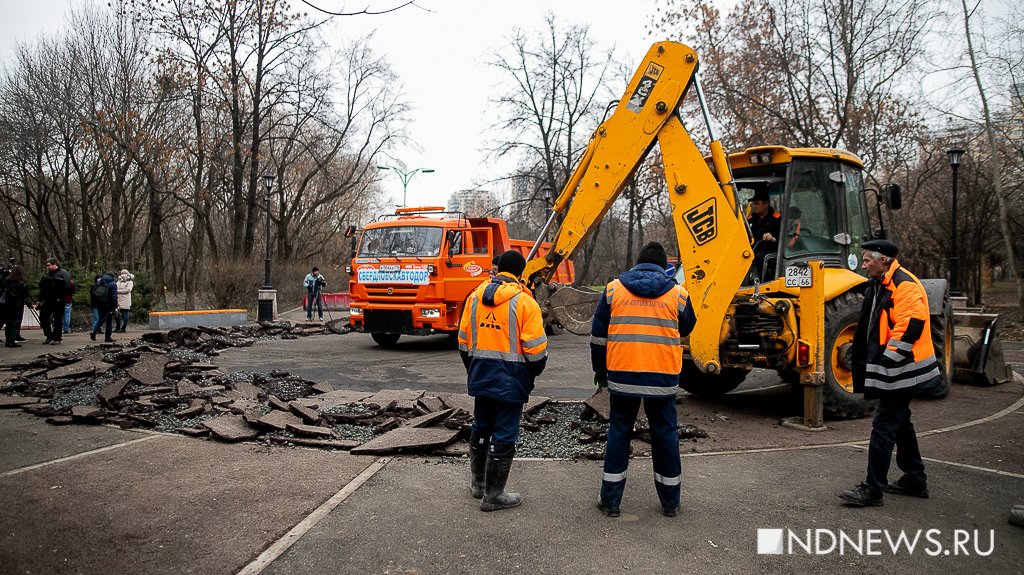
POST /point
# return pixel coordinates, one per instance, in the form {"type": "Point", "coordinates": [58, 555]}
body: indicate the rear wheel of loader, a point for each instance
{"type": "Point", "coordinates": [386, 339]}
{"type": "Point", "coordinates": [942, 341]}
{"type": "Point", "coordinates": [841, 315]}
{"type": "Point", "coordinates": [703, 384]}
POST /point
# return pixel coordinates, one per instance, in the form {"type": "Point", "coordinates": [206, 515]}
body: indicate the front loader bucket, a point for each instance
{"type": "Point", "coordinates": [978, 352]}
{"type": "Point", "coordinates": [569, 307]}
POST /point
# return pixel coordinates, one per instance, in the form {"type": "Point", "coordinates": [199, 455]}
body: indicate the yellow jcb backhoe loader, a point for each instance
{"type": "Point", "coordinates": [748, 315]}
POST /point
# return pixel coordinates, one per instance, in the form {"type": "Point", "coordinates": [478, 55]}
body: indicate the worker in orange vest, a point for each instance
{"type": "Point", "coordinates": [636, 353]}
{"type": "Point", "coordinates": [504, 349]}
{"type": "Point", "coordinates": [892, 358]}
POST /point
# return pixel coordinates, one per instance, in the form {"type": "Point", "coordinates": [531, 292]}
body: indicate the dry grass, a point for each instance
{"type": "Point", "coordinates": [1001, 298]}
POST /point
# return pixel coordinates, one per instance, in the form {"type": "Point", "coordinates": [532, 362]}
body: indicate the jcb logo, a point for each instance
{"type": "Point", "coordinates": [702, 222]}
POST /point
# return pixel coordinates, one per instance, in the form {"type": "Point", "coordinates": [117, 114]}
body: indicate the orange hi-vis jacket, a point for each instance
{"type": "Point", "coordinates": [502, 340]}
{"type": "Point", "coordinates": [635, 337]}
{"type": "Point", "coordinates": [892, 348]}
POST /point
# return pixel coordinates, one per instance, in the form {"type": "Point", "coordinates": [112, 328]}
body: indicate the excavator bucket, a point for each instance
{"type": "Point", "coordinates": [566, 306]}
{"type": "Point", "coordinates": [978, 353]}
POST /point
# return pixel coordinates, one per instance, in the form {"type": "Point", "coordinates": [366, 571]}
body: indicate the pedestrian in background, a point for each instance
{"type": "Point", "coordinates": [636, 353]}
{"type": "Point", "coordinates": [125, 285]}
{"type": "Point", "coordinates": [504, 349]}
{"type": "Point", "coordinates": [54, 287]}
{"type": "Point", "coordinates": [494, 266]}
{"type": "Point", "coordinates": [892, 357]}
{"type": "Point", "coordinates": [69, 299]}
{"type": "Point", "coordinates": [103, 299]}
{"type": "Point", "coordinates": [14, 293]}
{"type": "Point", "coordinates": [314, 283]}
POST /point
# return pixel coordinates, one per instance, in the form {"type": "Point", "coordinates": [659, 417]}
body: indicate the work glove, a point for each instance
{"type": "Point", "coordinates": [601, 381]}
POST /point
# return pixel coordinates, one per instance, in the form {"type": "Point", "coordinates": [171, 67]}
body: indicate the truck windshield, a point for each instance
{"type": "Point", "coordinates": [401, 241]}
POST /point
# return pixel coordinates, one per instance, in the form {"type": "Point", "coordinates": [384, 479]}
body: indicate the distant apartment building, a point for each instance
{"type": "Point", "coordinates": [474, 203]}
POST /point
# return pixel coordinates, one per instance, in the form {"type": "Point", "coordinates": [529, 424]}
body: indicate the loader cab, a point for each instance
{"type": "Point", "coordinates": [819, 194]}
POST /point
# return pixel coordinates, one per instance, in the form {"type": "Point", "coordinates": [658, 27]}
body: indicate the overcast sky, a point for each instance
{"type": "Point", "coordinates": [440, 53]}
{"type": "Point", "coordinates": [439, 50]}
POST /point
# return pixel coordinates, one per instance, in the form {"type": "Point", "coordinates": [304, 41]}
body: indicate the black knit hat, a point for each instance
{"type": "Point", "coordinates": [653, 253]}
{"type": "Point", "coordinates": [884, 247]}
{"type": "Point", "coordinates": [512, 262]}
{"type": "Point", "coordinates": [760, 196]}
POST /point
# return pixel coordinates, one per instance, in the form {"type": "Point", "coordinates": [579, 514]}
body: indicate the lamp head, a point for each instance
{"type": "Point", "coordinates": [268, 180]}
{"type": "Point", "coordinates": [955, 154]}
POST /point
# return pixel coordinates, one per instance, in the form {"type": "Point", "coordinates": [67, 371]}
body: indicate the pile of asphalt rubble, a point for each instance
{"type": "Point", "coordinates": [167, 382]}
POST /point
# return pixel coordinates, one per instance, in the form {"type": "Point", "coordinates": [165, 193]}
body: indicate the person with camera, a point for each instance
{"type": "Point", "coordinates": [314, 283]}
{"type": "Point", "coordinates": [14, 293]}
{"type": "Point", "coordinates": [54, 286]}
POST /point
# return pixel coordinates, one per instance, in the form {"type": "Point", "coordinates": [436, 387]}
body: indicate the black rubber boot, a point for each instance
{"type": "Point", "coordinates": [499, 464]}
{"type": "Point", "coordinates": [478, 446]}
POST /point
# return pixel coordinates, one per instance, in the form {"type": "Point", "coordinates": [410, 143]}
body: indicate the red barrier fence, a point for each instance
{"type": "Point", "coordinates": [331, 301]}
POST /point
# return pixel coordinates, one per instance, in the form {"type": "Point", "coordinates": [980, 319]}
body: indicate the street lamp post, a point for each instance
{"type": "Point", "coordinates": [268, 181]}
{"type": "Point", "coordinates": [267, 299]}
{"type": "Point", "coordinates": [955, 154]}
{"type": "Point", "coordinates": [405, 177]}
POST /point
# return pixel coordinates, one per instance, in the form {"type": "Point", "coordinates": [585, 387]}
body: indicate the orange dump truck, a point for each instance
{"type": "Point", "coordinates": [413, 270]}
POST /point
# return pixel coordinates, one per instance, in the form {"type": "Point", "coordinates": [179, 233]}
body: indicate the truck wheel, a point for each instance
{"type": "Point", "coordinates": [841, 315]}
{"type": "Point", "coordinates": [942, 341]}
{"type": "Point", "coordinates": [703, 384]}
{"type": "Point", "coordinates": [386, 339]}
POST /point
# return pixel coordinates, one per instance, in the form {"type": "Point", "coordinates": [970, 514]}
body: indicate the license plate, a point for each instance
{"type": "Point", "coordinates": [798, 276]}
{"type": "Point", "coordinates": [390, 268]}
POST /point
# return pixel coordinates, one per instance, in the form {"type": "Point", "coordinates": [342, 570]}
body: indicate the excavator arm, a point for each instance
{"type": "Point", "coordinates": [714, 241]}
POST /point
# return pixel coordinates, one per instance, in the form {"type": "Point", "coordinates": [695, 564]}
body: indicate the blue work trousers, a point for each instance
{"type": "Point", "coordinates": [892, 428]}
{"type": "Point", "coordinates": [496, 421]}
{"type": "Point", "coordinates": [311, 298]}
{"type": "Point", "coordinates": [661, 414]}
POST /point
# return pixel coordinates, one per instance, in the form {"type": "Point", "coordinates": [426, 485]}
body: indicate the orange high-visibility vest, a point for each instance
{"type": "Point", "coordinates": [643, 333]}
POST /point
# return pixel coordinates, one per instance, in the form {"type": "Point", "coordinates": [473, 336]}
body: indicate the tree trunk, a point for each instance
{"type": "Point", "coordinates": [995, 163]}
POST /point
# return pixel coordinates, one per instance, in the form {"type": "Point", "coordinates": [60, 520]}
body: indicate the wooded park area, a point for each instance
{"type": "Point", "coordinates": [139, 135]}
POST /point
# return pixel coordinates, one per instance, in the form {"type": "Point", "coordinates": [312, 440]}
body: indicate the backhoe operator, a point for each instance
{"type": "Point", "coordinates": [765, 226]}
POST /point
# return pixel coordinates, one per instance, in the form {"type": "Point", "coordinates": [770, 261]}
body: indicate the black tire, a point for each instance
{"type": "Point", "coordinates": [703, 384]}
{"type": "Point", "coordinates": [841, 316]}
{"type": "Point", "coordinates": [942, 341]}
{"type": "Point", "coordinates": [386, 339]}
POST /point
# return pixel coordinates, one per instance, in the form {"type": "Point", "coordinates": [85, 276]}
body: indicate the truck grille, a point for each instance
{"type": "Point", "coordinates": [387, 321]}
{"type": "Point", "coordinates": [404, 292]}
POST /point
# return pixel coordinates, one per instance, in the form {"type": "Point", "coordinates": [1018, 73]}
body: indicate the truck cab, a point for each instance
{"type": "Point", "coordinates": [413, 270]}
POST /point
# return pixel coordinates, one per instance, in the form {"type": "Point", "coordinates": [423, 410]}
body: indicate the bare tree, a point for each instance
{"type": "Point", "coordinates": [549, 108]}
{"type": "Point", "coordinates": [995, 161]}
{"type": "Point", "coordinates": [831, 73]}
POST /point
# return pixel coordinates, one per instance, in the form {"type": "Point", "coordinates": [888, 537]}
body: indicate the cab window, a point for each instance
{"type": "Point", "coordinates": [857, 223]}
{"type": "Point", "coordinates": [809, 223]}
{"type": "Point", "coordinates": [481, 241]}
